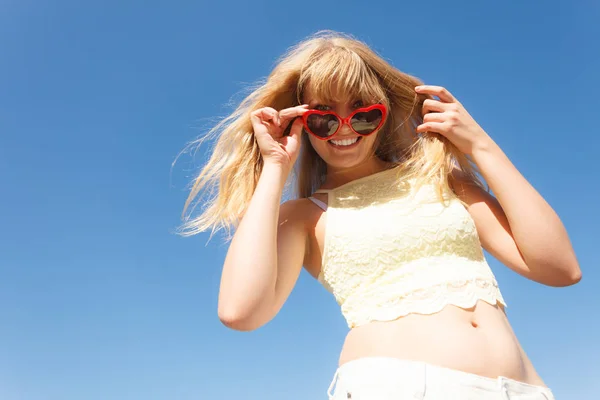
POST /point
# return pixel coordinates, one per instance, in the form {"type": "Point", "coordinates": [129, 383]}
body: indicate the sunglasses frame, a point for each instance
{"type": "Point", "coordinates": [346, 120]}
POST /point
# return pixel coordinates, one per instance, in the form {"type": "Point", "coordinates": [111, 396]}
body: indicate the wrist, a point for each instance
{"type": "Point", "coordinates": [485, 148]}
{"type": "Point", "coordinates": [276, 170]}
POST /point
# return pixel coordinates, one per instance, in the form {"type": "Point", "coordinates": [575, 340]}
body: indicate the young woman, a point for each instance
{"type": "Point", "coordinates": [391, 218]}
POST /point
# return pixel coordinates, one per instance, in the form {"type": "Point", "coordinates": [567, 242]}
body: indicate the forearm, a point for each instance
{"type": "Point", "coordinates": [250, 268]}
{"type": "Point", "coordinates": [538, 231]}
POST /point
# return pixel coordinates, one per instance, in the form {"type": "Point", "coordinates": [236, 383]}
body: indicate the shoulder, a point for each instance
{"type": "Point", "coordinates": [484, 208]}
{"type": "Point", "coordinates": [467, 187]}
{"type": "Point", "coordinates": [298, 211]}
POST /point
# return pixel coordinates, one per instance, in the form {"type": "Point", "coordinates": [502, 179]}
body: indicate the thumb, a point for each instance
{"type": "Point", "coordinates": [296, 130]}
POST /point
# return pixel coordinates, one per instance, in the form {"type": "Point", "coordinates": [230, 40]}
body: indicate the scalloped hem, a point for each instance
{"type": "Point", "coordinates": [393, 313]}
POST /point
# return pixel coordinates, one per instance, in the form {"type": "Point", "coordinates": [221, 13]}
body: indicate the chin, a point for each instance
{"type": "Point", "coordinates": [340, 163]}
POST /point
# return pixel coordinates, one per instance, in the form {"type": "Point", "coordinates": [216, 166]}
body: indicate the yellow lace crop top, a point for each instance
{"type": "Point", "coordinates": [390, 251]}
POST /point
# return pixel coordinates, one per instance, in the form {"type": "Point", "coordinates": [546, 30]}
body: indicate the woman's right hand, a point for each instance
{"type": "Point", "coordinates": [269, 126]}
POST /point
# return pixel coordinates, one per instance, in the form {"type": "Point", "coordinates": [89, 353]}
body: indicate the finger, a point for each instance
{"type": "Point", "coordinates": [290, 114]}
{"type": "Point", "coordinates": [267, 117]}
{"type": "Point", "coordinates": [277, 120]}
{"type": "Point", "coordinates": [296, 130]}
{"type": "Point", "coordinates": [293, 112]}
{"type": "Point", "coordinates": [439, 91]}
{"type": "Point", "coordinates": [434, 117]}
{"type": "Point", "coordinates": [431, 105]}
{"type": "Point", "coordinates": [437, 127]}
{"type": "Point", "coordinates": [263, 114]}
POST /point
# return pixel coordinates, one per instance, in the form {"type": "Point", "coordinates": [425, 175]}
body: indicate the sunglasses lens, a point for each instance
{"type": "Point", "coordinates": [365, 123]}
{"type": "Point", "coordinates": [322, 125]}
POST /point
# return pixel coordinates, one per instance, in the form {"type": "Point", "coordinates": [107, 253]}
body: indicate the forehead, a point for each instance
{"type": "Point", "coordinates": [333, 97]}
{"type": "Point", "coordinates": [334, 94]}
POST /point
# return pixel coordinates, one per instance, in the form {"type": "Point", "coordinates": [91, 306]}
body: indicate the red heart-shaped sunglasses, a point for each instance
{"type": "Point", "coordinates": [363, 121]}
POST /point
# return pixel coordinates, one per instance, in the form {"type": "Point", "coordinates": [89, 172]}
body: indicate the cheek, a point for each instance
{"type": "Point", "coordinates": [319, 145]}
{"type": "Point", "coordinates": [370, 141]}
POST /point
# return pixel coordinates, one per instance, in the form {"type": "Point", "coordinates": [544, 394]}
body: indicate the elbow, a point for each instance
{"type": "Point", "coordinates": [573, 274]}
{"type": "Point", "coordinates": [566, 280]}
{"type": "Point", "coordinates": [557, 270]}
{"type": "Point", "coordinates": [574, 277]}
{"type": "Point", "coordinates": [568, 277]}
{"type": "Point", "coordinates": [236, 320]}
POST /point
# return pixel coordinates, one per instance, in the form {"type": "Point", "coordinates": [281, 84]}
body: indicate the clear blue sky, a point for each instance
{"type": "Point", "coordinates": [99, 300]}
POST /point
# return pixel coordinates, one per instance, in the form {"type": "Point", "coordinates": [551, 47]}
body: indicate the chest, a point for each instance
{"type": "Point", "coordinates": [393, 234]}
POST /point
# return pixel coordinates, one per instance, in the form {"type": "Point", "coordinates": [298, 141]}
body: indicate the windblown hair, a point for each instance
{"type": "Point", "coordinates": [336, 67]}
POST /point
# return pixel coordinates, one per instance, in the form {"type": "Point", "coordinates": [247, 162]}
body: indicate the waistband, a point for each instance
{"type": "Point", "coordinates": [415, 371]}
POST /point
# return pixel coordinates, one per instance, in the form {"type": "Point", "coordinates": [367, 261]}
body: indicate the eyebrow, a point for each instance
{"type": "Point", "coordinates": [313, 103]}
{"type": "Point", "coordinates": [316, 102]}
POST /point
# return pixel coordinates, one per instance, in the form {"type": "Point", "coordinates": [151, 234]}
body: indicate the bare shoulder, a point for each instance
{"type": "Point", "coordinates": [463, 185]}
{"type": "Point", "coordinates": [297, 211]}
{"type": "Point", "coordinates": [477, 199]}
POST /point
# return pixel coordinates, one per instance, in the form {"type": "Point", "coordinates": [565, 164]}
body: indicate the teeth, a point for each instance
{"type": "Point", "coordinates": [345, 142]}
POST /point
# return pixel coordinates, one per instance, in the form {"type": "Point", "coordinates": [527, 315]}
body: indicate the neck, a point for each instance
{"type": "Point", "coordinates": [340, 176]}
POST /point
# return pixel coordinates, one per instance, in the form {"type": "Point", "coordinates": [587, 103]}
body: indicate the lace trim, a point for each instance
{"type": "Point", "coordinates": [464, 294]}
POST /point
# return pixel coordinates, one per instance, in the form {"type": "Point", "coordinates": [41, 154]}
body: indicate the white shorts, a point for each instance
{"type": "Point", "coordinates": [387, 378]}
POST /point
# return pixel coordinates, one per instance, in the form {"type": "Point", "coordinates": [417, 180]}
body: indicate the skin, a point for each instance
{"type": "Point", "coordinates": [343, 165]}
{"type": "Point", "coordinates": [517, 227]}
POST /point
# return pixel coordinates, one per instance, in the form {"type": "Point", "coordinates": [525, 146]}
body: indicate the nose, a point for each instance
{"type": "Point", "coordinates": [345, 131]}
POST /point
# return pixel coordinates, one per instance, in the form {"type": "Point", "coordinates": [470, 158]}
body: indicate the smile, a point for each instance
{"type": "Point", "coordinates": [344, 143]}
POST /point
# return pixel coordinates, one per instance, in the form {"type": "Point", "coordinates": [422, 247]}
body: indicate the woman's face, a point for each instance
{"type": "Point", "coordinates": [346, 149]}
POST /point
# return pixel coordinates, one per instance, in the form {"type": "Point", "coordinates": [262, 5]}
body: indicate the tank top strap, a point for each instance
{"type": "Point", "coordinates": [322, 205]}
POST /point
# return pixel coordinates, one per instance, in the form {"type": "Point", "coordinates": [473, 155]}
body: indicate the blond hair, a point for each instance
{"type": "Point", "coordinates": [234, 167]}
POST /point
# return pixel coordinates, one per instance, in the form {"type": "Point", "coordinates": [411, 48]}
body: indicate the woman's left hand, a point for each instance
{"type": "Point", "coordinates": [449, 118]}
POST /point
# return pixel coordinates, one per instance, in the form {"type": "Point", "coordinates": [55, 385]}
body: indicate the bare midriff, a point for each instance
{"type": "Point", "coordinates": [478, 341]}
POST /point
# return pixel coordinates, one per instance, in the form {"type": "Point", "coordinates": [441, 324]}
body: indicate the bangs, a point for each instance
{"type": "Point", "coordinates": [336, 75]}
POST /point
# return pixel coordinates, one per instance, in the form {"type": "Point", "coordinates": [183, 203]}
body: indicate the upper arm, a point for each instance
{"type": "Point", "coordinates": [291, 246]}
{"type": "Point", "coordinates": [492, 226]}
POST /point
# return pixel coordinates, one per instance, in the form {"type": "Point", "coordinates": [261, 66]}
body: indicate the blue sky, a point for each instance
{"type": "Point", "coordinates": [100, 300]}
